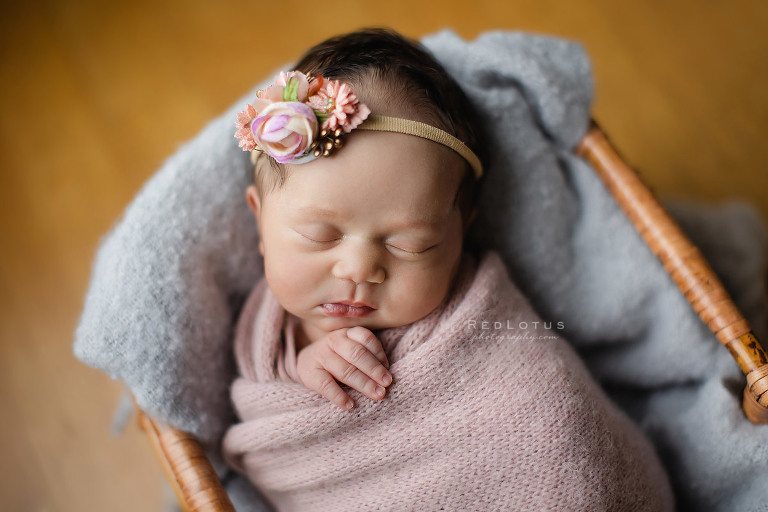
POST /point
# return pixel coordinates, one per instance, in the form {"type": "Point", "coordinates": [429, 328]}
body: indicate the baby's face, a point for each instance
{"type": "Point", "coordinates": [368, 237]}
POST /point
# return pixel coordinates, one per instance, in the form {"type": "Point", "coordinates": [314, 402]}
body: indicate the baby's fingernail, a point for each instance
{"type": "Point", "coordinates": [349, 404]}
{"type": "Point", "coordinates": [379, 391]}
{"type": "Point", "coordinates": [386, 379]}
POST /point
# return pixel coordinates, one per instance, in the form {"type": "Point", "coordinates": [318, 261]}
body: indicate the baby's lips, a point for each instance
{"type": "Point", "coordinates": [338, 309]}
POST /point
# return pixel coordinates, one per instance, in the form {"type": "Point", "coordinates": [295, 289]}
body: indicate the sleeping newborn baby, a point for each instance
{"type": "Point", "coordinates": [381, 366]}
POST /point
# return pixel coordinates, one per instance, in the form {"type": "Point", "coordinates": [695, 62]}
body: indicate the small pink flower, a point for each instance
{"type": "Point", "coordinates": [243, 124]}
{"type": "Point", "coordinates": [339, 103]}
{"type": "Point", "coordinates": [285, 130]}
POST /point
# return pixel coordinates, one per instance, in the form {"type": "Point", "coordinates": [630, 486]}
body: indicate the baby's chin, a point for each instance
{"type": "Point", "coordinates": [316, 328]}
{"type": "Point", "coordinates": [333, 324]}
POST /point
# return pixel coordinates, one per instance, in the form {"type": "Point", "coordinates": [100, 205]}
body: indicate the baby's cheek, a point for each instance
{"type": "Point", "coordinates": [420, 293]}
{"type": "Point", "coordinates": [288, 275]}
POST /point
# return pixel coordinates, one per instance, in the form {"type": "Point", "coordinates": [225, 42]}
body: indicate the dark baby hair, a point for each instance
{"type": "Point", "coordinates": [408, 74]}
{"type": "Point", "coordinates": [400, 63]}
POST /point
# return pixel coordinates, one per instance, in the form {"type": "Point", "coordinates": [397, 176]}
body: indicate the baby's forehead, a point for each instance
{"type": "Point", "coordinates": [409, 187]}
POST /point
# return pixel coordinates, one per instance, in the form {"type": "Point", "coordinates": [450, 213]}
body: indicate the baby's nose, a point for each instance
{"type": "Point", "coordinates": [360, 262]}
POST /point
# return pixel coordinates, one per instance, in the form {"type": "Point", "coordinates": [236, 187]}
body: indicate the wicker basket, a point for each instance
{"type": "Point", "coordinates": [198, 488]}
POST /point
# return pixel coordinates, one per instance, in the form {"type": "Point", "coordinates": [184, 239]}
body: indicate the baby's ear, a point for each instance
{"type": "Point", "coordinates": [254, 203]}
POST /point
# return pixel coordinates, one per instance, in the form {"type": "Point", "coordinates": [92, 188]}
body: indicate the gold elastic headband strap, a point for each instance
{"type": "Point", "coordinates": [425, 131]}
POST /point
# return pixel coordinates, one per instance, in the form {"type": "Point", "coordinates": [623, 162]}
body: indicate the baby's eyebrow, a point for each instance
{"type": "Point", "coordinates": [426, 222]}
{"type": "Point", "coordinates": [317, 211]}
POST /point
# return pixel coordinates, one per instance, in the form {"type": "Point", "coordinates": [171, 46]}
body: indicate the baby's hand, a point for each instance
{"type": "Point", "coordinates": [352, 356]}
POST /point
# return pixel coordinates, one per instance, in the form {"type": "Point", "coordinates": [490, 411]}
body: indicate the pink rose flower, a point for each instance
{"type": "Point", "coordinates": [284, 130]}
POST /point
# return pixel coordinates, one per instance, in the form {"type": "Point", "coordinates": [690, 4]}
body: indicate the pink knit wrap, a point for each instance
{"type": "Point", "coordinates": [477, 418]}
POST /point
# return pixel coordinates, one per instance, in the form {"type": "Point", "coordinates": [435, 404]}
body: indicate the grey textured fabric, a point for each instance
{"type": "Point", "coordinates": [169, 279]}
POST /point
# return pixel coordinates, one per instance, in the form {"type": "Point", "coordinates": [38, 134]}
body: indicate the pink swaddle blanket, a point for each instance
{"type": "Point", "coordinates": [480, 416]}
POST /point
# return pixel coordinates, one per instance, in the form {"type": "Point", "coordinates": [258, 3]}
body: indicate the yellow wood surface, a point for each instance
{"type": "Point", "coordinates": [94, 95]}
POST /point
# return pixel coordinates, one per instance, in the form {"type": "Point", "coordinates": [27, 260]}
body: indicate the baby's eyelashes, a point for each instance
{"type": "Point", "coordinates": [319, 236]}
{"type": "Point", "coordinates": [413, 251]}
{"type": "Point", "coordinates": [411, 246]}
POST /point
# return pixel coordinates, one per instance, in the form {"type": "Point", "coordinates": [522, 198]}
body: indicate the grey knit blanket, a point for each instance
{"type": "Point", "coordinates": [171, 276]}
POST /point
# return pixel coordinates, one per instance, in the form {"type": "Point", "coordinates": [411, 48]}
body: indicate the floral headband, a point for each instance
{"type": "Point", "coordinates": [300, 118]}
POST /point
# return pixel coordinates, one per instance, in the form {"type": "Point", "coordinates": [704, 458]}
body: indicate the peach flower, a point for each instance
{"type": "Point", "coordinates": [243, 124]}
{"type": "Point", "coordinates": [339, 106]}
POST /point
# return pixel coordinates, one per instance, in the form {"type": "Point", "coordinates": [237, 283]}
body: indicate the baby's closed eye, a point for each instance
{"type": "Point", "coordinates": [322, 235]}
{"type": "Point", "coordinates": [411, 245]}
{"type": "Point", "coordinates": [319, 234]}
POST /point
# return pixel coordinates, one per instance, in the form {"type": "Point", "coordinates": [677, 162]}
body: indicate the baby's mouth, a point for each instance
{"type": "Point", "coordinates": [354, 310]}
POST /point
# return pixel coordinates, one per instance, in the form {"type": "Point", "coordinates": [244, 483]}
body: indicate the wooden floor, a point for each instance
{"type": "Point", "coordinates": [95, 94]}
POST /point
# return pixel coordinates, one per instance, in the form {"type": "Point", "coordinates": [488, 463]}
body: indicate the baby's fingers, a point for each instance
{"type": "Point", "coordinates": [351, 375]}
{"type": "Point", "coordinates": [324, 383]}
{"type": "Point", "coordinates": [367, 339]}
{"type": "Point", "coordinates": [359, 368]}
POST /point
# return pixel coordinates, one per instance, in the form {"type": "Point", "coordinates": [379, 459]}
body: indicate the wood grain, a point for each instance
{"type": "Point", "coordinates": [94, 95]}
